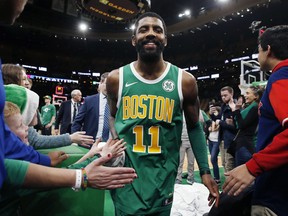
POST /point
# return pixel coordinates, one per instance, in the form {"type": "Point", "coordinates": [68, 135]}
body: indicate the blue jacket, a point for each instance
{"type": "Point", "coordinates": [64, 117]}
{"type": "Point", "coordinates": [88, 117]}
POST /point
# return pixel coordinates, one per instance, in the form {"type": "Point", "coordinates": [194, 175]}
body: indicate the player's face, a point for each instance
{"type": "Point", "coordinates": [149, 39]}
{"type": "Point", "coordinates": [16, 125]}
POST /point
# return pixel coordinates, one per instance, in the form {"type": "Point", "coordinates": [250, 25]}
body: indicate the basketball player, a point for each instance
{"type": "Point", "coordinates": [146, 101]}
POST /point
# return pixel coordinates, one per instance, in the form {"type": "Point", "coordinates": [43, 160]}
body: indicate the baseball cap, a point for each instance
{"type": "Point", "coordinates": [47, 96]}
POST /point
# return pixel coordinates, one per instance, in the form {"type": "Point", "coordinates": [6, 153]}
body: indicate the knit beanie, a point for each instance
{"type": "Point", "coordinates": [25, 99]}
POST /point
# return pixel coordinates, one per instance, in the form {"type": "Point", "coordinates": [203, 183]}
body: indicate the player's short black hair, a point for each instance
{"type": "Point", "coordinates": [149, 14]}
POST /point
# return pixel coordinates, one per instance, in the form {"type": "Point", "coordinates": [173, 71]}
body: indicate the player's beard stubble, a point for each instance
{"type": "Point", "coordinates": [149, 55]}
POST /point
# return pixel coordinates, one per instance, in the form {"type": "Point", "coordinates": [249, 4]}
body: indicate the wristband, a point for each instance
{"type": "Point", "coordinates": [78, 180]}
{"type": "Point", "coordinates": [85, 179]}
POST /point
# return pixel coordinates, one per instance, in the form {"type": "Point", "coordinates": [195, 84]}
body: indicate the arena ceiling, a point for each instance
{"type": "Point", "coordinates": [63, 16]}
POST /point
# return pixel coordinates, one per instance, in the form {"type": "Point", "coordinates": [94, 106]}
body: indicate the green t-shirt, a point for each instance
{"type": "Point", "coordinates": [47, 112]}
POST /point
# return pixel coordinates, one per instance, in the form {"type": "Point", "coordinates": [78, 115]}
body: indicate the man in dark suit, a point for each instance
{"type": "Point", "coordinates": [92, 117]}
{"type": "Point", "coordinates": [67, 112]}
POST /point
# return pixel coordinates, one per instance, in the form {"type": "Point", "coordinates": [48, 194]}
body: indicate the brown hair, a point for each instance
{"type": "Point", "coordinates": [10, 109]}
{"type": "Point", "coordinates": [104, 76]}
{"type": "Point", "coordinates": [228, 88]}
{"type": "Point", "coordinates": [12, 74]}
{"type": "Point", "coordinates": [258, 92]}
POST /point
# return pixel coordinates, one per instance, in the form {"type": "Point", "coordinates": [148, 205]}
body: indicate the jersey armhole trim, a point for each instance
{"type": "Point", "coordinates": [180, 74]}
{"type": "Point", "coordinates": [120, 86]}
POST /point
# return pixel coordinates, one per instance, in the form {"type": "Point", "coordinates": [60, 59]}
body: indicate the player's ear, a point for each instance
{"type": "Point", "coordinates": [133, 40]}
{"type": "Point", "coordinates": [165, 41]}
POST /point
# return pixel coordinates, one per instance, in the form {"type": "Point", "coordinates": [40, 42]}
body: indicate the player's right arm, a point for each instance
{"type": "Point", "coordinates": [112, 86]}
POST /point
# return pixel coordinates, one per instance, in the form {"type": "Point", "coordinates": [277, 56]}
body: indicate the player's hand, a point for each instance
{"type": "Point", "coordinates": [210, 183]}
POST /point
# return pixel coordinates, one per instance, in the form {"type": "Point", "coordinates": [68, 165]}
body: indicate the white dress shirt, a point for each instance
{"type": "Point", "coordinates": [72, 109]}
{"type": "Point", "coordinates": [102, 104]}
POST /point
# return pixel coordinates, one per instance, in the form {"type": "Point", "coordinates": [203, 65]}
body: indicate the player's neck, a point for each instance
{"type": "Point", "coordinates": [150, 70]}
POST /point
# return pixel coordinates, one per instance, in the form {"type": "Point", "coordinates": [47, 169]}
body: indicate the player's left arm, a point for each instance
{"type": "Point", "coordinates": [196, 133]}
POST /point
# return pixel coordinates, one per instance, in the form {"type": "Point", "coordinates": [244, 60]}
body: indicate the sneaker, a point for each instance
{"type": "Point", "coordinates": [190, 181]}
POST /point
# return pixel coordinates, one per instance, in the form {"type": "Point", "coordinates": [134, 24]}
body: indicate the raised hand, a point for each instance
{"type": "Point", "coordinates": [113, 147]}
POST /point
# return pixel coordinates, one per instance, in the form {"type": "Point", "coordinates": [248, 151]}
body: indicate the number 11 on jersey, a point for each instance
{"type": "Point", "coordinates": [139, 146]}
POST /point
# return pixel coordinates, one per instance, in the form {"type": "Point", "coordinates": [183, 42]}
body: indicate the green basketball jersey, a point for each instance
{"type": "Point", "coordinates": [149, 118]}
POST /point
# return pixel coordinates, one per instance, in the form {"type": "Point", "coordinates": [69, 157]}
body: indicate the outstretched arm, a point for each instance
{"type": "Point", "coordinates": [31, 175]}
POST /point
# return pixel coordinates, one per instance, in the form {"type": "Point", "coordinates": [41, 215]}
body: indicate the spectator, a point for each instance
{"type": "Point", "coordinates": [227, 129]}
{"type": "Point", "coordinates": [246, 121]}
{"type": "Point", "coordinates": [269, 165]}
{"type": "Point", "coordinates": [28, 110]}
{"type": "Point", "coordinates": [48, 114]}
{"type": "Point", "coordinates": [33, 175]}
{"type": "Point", "coordinates": [213, 142]}
{"type": "Point", "coordinates": [15, 74]}
{"type": "Point", "coordinates": [93, 116]}
{"type": "Point", "coordinates": [67, 112]}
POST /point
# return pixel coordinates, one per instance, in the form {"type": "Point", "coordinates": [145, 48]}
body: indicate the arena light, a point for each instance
{"type": "Point", "coordinates": [132, 27]}
{"type": "Point", "coordinates": [83, 27]}
{"type": "Point", "coordinates": [193, 68]}
{"type": "Point", "coordinates": [214, 76]}
{"type": "Point", "coordinates": [203, 77]}
{"type": "Point", "coordinates": [223, 1]}
{"type": "Point", "coordinates": [186, 13]}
